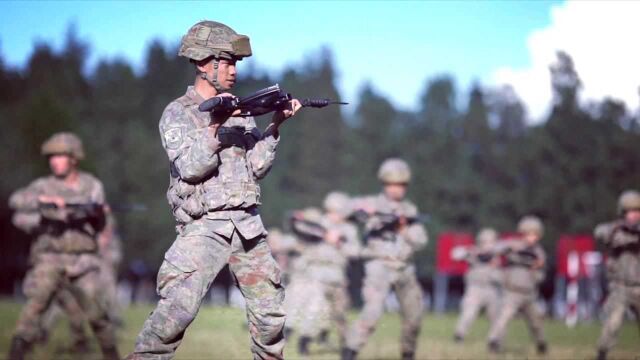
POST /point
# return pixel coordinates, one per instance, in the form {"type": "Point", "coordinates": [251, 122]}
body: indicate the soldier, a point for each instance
{"type": "Point", "coordinates": [110, 250]}
{"type": "Point", "coordinates": [392, 236]}
{"type": "Point", "coordinates": [214, 195]}
{"type": "Point", "coordinates": [284, 247]}
{"type": "Point", "coordinates": [337, 210]}
{"type": "Point", "coordinates": [524, 270]}
{"type": "Point", "coordinates": [621, 238]}
{"type": "Point", "coordinates": [482, 281]}
{"type": "Point", "coordinates": [66, 261]}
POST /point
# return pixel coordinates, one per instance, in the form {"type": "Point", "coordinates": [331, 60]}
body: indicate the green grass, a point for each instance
{"type": "Point", "coordinates": [220, 333]}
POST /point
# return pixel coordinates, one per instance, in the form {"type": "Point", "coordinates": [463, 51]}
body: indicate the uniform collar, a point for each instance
{"type": "Point", "coordinates": [193, 95]}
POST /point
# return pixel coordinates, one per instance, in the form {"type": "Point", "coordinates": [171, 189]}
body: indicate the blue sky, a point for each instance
{"type": "Point", "coordinates": [394, 45]}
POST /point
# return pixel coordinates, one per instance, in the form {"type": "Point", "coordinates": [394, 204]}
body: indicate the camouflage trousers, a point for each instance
{"type": "Point", "coordinates": [190, 266]}
{"type": "Point", "coordinates": [513, 302]}
{"type": "Point", "coordinates": [476, 298]}
{"type": "Point", "coordinates": [339, 302]}
{"type": "Point", "coordinates": [621, 297]}
{"type": "Point", "coordinates": [72, 280]}
{"type": "Point", "coordinates": [65, 305]}
{"type": "Point", "coordinates": [308, 311]}
{"type": "Point", "coordinates": [379, 280]}
{"type": "Point", "coordinates": [109, 279]}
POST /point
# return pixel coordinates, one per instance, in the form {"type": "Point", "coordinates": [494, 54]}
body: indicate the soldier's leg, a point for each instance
{"type": "Point", "coordinates": [87, 291]}
{"type": "Point", "coordinates": [510, 306]}
{"type": "Point", "coordinates": [492, 303]}
{"type": "Point", "coordinates": [76, 317]}
{"type": "Point", "coordinates": [376, 286]}
{"type": "Point", "coordinates": [258, 277]}
{"type": "Point", "coordinates": [471, 304]}
{"type": "Point", "coordinates": [339, 307]}
{"type": "Point", "coordinates": [534, 320]}
{"type": "Point", "coordinates": [410, 297]}
{"type": "Point", "coordinates": [40, 286]}
{"type": "Point", "coordinates": [614, 309]}
{"type": "Point", "coordinates": [188, 269]}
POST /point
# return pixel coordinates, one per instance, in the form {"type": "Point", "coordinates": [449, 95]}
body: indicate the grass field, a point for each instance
{"type": "Point", "coordinates": [219, 333]}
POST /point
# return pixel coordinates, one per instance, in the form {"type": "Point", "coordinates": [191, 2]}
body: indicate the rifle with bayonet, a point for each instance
{"type": "Point", "coordinates": [264, 101]}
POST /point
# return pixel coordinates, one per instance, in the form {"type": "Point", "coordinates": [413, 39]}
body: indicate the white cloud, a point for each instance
{"type": "Point", "coordinates": [602, 37]}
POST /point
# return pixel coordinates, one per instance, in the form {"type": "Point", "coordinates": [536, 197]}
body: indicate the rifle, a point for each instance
{"type": "Point", "coordinates": [261, 102]}
{"type": "Point", "coordinates": [387, 221]}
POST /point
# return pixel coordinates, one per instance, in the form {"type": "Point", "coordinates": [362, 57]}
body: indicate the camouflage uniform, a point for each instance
{"type": "Point", "coordinates": [482, 283]}
{"type": "Point", "coordinates": [388, 266]}
{"type": "Point", "coordinates": [524, 270]}
{"type": "Point", "coordinates": [622, 242]}
{"type": "Point", "coordinates": [214, 195]}
{"type": "Point", "coordinates": [110, 251]}
{"type": "Point", "coordinates": [284, 248]}
{"type": "Point", "coordinates": [65, 263]}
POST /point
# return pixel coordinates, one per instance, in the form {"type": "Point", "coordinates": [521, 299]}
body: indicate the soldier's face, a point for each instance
{"type": "Point", "coordinates": [632, 217]}
{"type": "Point", "coordinates": [226, 73]}
{"type": "Point", "coordinates": [395, 191]}
{"type": "Point", "coordinates": [531, 237]}
{"type": "Point", "coordinates": [61, 165]}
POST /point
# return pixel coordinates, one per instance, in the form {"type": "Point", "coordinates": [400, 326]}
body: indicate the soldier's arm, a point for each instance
{"type": "Point", "coordinates": [193, 151]}
{"type": "Point", "coordinates": [26, 199]}
{"type": "Point", "coordinates": [416, 236]}
{"type": "Point", "coordinates": [603, 232]}
{"type": "Point", "coordinates": [263, 153]}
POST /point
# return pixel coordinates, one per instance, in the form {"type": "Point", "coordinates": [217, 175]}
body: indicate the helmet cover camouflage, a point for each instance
{"type": "Point", "coordinates": [63, 143]}
{"type": "Point", "coordinates": [486, 237]}
{"type": "Point", "coordinates": [629, 200]}
{"type": "Point", "coordinates": [337, 202]}
{"type": "Point", "coordinates": [394, 171]}
{"type": "Point", "coordinates": [531, 224]}
{"type": "Point", "coordinates": [210, 38]}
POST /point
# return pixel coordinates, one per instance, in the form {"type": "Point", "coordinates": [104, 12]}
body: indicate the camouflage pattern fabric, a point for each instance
{"type": "Point", "coordinates": [63, 256]}
{"type": "Point", "coordinates": [482, 290]}
{"type": "Point", "coordinates": [521, 279]}
{"type": "Point", "coordinates": [389, 268]}
{"type": "Point", "coordinates": [214, 195]}
{"type": "Point", "coordinates": [623, 273]}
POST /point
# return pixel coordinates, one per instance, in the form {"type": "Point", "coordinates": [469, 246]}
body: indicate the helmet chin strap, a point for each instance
{"type": "Point", "coordinates": [214, 82]}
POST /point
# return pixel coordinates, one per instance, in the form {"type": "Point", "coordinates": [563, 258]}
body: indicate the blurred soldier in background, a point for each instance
{"type": "Point", "coordinates": [65, 211]}
{"type": "Point", "coordinates": [392, 236]}
{"type": "Point", "coordinates": [110, 250]}
{"type": "Point", "coordinates": [215, 197]}
{"type": "Point", "coordinates": [284, 248]}
{"type": "Point", "coordinates": [524, 270]}
{"type": "Point", "coordinates": [622, 240]}
{"type": "Point", "coordinates": [337, 210]}
{"type": "Point", "coordinates": [482, 281]}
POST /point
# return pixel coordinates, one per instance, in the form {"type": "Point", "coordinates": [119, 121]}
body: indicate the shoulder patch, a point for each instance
{"type": "Point", "coordinates": [173, 138]}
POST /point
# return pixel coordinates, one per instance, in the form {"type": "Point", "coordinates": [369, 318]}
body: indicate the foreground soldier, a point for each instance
{"type": "Point", "coordinates": [525, 261]}
{"type": "Point", "coordinates": [622, 240]}
{"type": "Point", "coordinates": [214, 195]}
{"type": "Point", "coordinates": [388, 253]}
{"type": "Point", "coordinates": [482, 281]}
{"type": "Point", "coordinates": [66, 262]}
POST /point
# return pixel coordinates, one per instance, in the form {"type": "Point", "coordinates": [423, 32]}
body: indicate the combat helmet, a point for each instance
{"type": "Point", "coordinates": [63, 143]}
{"type": "Point", "coordinates": [486, 237]}
{"type": "Point", "coordinates": [531, 224]}
{"type": "Point", "coordinates": [337, 202]}
{"type": "Point", "coordinates": [395, 171]}
{"type": "Point", "coordinates": [213, 39]}
{"type": "Point", "coordinates": [628, 200]}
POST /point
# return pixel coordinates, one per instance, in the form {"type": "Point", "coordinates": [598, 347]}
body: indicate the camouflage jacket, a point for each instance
{"type": "Point", "coordinates": [394, 248]}
{"type": "Point", "coordinates": [59, 230]}
{"type": "Point", "coordinates": [524, 265]}
{"type": "Point", "coordinates": [483, 267]}
{"type": "Point", "coordinates": [623, 251]}
{"type": "Point", "coordinates": [220, 182]}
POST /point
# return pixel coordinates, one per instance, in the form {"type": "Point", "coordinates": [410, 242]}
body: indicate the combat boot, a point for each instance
{"type": "Point", "coordinates": [493, 347]}
{"type": "Point", "coordinates": [602, 354]}
{"type": "Point", "coordinates": [323, 338]}
{"type": "Point", "coordinates": [457, 338]}
{"type": "Point", "coordinates": [542, 348]}
{"type": "Point", "coordinates": [408, 355]}
{"type": "Point", "coordinates": [19, 348]}
{"type": "Point", "coordinates": [348, 354]}
{"type": "Point", "coordinates": [303, 345]}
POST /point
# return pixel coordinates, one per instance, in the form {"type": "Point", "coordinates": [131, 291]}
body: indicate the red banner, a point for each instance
{"type": "Point", "coordinates": [446, 242]}
{"type": "Point", "coordinates": [580, 244]}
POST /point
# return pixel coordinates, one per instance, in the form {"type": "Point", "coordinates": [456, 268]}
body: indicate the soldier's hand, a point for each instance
{"type": "Point", "coordinates": [292, 107]}
{"type": "Point", "coordinates": [52, 199]}
{"type": "Point", "coordinates": [333, 237]}
{"type": "Point", "coordinates": [219, 118]}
